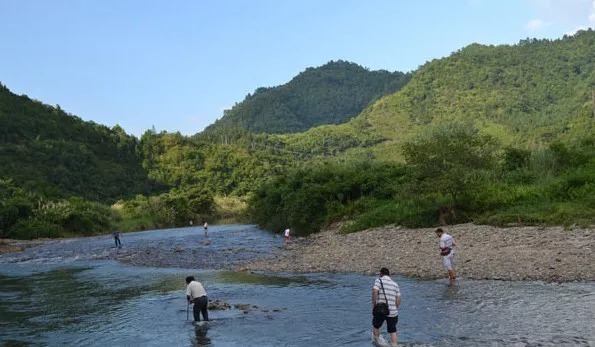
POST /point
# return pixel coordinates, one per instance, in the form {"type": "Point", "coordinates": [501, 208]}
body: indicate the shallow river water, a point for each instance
{"type": "Point", "coordinates": [71, 292]}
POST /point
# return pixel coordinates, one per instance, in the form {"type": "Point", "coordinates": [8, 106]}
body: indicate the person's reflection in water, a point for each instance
{"type": "Point", "coordinates": [451, 293]}
{"type": "Point", "coordinates": [201, 335]}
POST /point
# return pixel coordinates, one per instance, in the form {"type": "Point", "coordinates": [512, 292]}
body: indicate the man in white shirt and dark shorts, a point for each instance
{"type": "Point", "coordinates": [447, 251]}
{"type": "Point", "coordinates": [386, 290]}
{"type": "Point", "coordinates": [196, 294]}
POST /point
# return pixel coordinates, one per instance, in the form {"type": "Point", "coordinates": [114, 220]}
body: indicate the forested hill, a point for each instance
{"type": "Point", "coordinates": [529, 94]}
{"type": "Point", "coordinates": [44, 149]}
{"type": "Point", "coordinates": [494, 135]}
{"type": "Point", "coordinates": [330, 94]}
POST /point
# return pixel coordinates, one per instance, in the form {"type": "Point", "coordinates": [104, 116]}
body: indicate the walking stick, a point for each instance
{"type": "Point", "coordinates": [187, 306]}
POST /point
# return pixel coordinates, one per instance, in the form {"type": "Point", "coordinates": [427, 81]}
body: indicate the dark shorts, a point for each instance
{"type": "Point", "coordinates": [391, 323]}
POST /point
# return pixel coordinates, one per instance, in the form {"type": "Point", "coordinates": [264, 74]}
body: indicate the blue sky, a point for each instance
{"type": "Point", "coordinates": [176, 65]}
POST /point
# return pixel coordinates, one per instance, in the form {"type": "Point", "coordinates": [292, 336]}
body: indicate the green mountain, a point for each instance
{"type": "Point", "coordinates": [491, 134]}
{"type": "Point", "coordinates": [529, 94]}
{"type": "Point", "coordinates": [494, 134]}
{"type": "Point", "coordinates": [329, 94]}
{"type": "Point", "coordinates": [44, 149]}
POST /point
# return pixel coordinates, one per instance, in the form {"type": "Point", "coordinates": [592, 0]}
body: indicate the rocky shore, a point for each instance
{"type": "Point", "coordinates": [9, 245]}
{"type": "Point", "coordinates": [550, 254]}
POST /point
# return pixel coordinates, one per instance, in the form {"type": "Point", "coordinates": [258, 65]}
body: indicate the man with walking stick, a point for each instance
{"type": "Point", "coordinates": [196, 294]}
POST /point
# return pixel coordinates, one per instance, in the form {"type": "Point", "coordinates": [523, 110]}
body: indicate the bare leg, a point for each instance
{"type": "Point", "coordinates": [393, 339]}
{"type": "Point", "coordinates": [375, 333]}
{"type": "Point", "coordinates": [452, 276]}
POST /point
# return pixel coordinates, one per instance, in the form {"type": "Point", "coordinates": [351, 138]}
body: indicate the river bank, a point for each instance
{"type": "Point", "coordinates": [9, 245]}
{"type": "Point", "coordinates": [549, 254]}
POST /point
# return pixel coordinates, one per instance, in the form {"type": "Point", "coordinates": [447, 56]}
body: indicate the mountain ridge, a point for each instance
{"type": "Point", "coordinates": [329, 94]}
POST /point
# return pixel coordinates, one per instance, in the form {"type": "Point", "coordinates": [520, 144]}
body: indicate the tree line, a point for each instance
{"type": "Point", "coordinates": [491, 134]}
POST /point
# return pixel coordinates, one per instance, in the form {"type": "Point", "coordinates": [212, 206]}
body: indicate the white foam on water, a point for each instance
{"type": "Point", "coordinates": [380, 342]}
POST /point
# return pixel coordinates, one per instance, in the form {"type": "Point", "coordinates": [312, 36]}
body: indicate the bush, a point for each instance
{"type": "Point", "coordinates": [28, 229]}
{"type": "Point", "coordinates": [306, 199]}
{"type": "Point", "coordinates": [376, 213]}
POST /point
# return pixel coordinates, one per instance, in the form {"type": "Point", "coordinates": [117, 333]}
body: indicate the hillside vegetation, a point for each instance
{"type": "Point", "coordinates": [525, 95]}
{"type": "Point", "coordinates": [42, 148]}
{"type": "Point", "coordinates": [329, 94]}
{"type": "Point", "coordinates": [491, 134]}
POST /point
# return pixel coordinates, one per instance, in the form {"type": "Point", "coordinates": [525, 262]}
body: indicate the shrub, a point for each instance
{"type": "Point", "coordinates": [29, 229]}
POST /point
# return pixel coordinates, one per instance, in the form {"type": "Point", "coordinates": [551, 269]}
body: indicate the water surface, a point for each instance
{"type": "Point", "coordinates": [71, 293]}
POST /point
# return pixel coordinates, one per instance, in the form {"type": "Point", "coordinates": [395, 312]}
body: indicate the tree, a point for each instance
{"type": "Point", "coordinates": [449, 160]}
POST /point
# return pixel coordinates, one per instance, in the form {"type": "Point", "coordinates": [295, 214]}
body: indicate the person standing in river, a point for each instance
{"type": "Point", "coordinates": [447, 251]}
{"type": "Point", "coordinates": [197, 295]}
{"type": "Point", "coordinates": [287, 237]}
{"type": "Point", "coordinates": [386, 290]}
{"type": "Point", "coordinates": [206, 228]}
{"type": "Point", "coordinates": [117, 234]}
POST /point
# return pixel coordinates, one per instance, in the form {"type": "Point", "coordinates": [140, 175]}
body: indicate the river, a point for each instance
{"type": "Point", "coordinates": [73, 292]}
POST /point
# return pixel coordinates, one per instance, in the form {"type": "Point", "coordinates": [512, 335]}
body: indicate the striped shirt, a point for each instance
{"type": "Point", "coordinates": [391, 288]}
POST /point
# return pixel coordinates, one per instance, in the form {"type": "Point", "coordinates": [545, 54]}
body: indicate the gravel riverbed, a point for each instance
{"type": "Point", "coordinates": [550, 254]}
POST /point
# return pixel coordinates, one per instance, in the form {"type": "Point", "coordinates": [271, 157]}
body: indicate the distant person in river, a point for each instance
{"type": "Point", "coordinates": [386, 291]}
{"type": "Point", "coordinates": [287, 237]}
{"type": "Point", "coordinates": [197, 295]}
{"type": "Point", "coordinates": [447, 251]}
{"type": "Point", "coordinates": [206, 228]}
{"type": "Point", "coordinates": [117, 234]}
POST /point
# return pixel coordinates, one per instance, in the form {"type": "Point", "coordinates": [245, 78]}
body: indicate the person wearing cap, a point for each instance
{"type": "Point", "coordinates": [196, 294]}
{"type": "Point", "coordinates": [386, 290]}
{"type": "Point", "coordinates": [447, 251]}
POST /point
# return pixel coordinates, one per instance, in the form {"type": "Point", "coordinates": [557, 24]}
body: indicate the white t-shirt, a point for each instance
{"type": "Point", "coordinates": [287, 232]}
{"type": "Point", "coordinates": [391, 288]}
{"type": "Point", "coordinates": [447, 241]}
{"type": "Point", "coordinates": [195, 290]}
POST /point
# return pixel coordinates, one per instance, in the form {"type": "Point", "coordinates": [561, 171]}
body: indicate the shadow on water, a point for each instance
{"type": "Point", "coordinates": [200, 336]}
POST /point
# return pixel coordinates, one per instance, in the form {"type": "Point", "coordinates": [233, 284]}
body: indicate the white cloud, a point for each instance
{"type": "Point", "coordinates": [535, 24]}
{"type": "Point", "coordinates": [575, 30]}
{"type": "Point", "coordinates": [564, 13]}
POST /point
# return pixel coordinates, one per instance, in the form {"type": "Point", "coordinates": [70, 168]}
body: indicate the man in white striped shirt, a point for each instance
{"type": "Point", "coordinates": [386, 290]}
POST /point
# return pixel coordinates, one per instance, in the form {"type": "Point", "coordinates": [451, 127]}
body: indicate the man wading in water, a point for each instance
{"type": "Point", "coordinates": [196, 294]}
{"type": "Point", "coordinates": [387, 291]}
{"type": "Point", "coordinates": [447, 244]}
